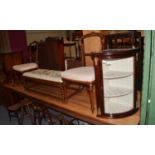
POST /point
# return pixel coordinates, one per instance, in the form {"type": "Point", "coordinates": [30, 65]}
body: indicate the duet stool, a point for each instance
{"type": "Point", "coordinates": [50, 82]}
{"type": "Point", "coordinates": [84, 76]}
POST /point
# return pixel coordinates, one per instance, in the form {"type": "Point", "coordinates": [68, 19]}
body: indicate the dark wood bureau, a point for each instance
{"type": "Point", "coordinates": [51, 54]}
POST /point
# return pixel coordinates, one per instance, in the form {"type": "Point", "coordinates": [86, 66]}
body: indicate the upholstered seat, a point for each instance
{"type": "Point", "coordinates": [25, 67]}
{"type": "Point", "coordinates": [81, 76]}
{"type": "Point", "coordinates": [84, 74]}
{"type": "Point", "coordinates": [44, 74]}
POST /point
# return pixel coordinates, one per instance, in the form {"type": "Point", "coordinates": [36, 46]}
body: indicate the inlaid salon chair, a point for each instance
{"type": "Point", "coordinates": [84, 75]}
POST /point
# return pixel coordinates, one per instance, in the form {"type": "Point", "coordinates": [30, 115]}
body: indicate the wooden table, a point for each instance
{"type": "Point", "coordinates": [77, 106]}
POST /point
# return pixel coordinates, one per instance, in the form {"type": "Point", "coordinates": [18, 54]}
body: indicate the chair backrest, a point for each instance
{"type": "Point", "coordinates": [33, 51]}
{"type": "Point", "coordinates": [76, 35]}
{"type": "Point", "coordinates": [82, 42]}
{"type": "Point", "coordinates": [10, 59]}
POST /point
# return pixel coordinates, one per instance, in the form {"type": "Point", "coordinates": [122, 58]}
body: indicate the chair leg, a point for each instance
{"type": "Point", "coordinates": [30, 113]}
{"type": "Point", "coordinates": [40, 118]}
{"type": "Point", "coordinates": [18, 118]}
{"type": "Point", "coordinates": [90, 92]}
{"type": "Point", "coordinates": [9, 115]}
{"type": "Point", "coordinates": [49, 117]}
{"type": "Point", "coordinates": [21, 119]}
{"type": "Point", "coordinates": [35, 116]}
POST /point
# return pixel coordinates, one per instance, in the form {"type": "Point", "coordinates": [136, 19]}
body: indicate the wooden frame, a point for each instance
{"type": "Point", "coordinates": [34, 83]}
{"type": "Point", "coordinates": [30, 84]}
{"type": "Point", "coordinates": [89, 86]}
{"type": "Point", "coordinates": [109, 55]}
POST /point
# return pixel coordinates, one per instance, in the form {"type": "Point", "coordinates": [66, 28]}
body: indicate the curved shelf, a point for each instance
{"type": "Point", "coordinates": [110, 92]}
{"type": "Point", "coordinates": [116, 74]}
{"type": "Point", "coordinates": [114, 108]}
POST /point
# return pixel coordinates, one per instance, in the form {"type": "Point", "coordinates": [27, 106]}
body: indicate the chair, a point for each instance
{"type": "Point", "coordinates": [13, 111]}
{"type": "Point", "coordinates": [84, 75]}
{"type": "Point", "coordinates": [33, 51]}
{"type": "Point", "coordinates": [17, 106]}
{"type": "Point", "coordinates": [33, 64]}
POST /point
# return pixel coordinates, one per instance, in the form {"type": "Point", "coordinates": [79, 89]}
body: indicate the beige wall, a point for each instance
{"type": "Point", "coordinates": [37, 35]}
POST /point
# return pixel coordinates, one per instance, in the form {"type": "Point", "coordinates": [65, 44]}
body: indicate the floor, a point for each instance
{"type": "Point", "coordinates": [4, 118]}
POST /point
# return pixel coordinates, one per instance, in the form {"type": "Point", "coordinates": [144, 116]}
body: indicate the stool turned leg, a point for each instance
{"type": "Point", "coordinates": [90, 92]}
{"type": "Point", "coordinates": [64, 91]}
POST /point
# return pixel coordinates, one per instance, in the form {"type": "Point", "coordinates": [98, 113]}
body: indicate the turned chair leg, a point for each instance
{"type": "Point", "coordinates": [21, 119]}
{"type": "Point", "coordinates": [18, 118]}
{"type": "Point", "coordinates": [30, 113]}
{"type": "Point", "coordinates": [9, 113]}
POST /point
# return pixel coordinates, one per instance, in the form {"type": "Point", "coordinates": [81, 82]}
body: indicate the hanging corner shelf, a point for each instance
{"type": "Point", "coordinates": [116, 87]}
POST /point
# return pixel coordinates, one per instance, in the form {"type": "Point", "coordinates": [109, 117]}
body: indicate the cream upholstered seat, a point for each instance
{"type": "Point", "coordinates": [84, 74]}
{"type": "Point", "coordinates": [44, 74]}
{"type": "Point", "coordinates": [25, 67]}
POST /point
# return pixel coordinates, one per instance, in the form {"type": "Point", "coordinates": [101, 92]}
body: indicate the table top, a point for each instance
{"type": "Point", "coordinates": [77, 106]}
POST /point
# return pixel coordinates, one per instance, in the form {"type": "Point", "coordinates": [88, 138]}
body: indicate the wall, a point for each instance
{"type": "Point", "coordinates": [17, 39]}
{"type": "Point", "coordinates": [4, 41]}
{"type": "Point", "coordinates": [37, 35]}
